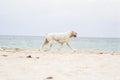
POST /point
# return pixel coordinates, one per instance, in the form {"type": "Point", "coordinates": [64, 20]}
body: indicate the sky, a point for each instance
{"type": "Point", "coordinates": [89, 18]}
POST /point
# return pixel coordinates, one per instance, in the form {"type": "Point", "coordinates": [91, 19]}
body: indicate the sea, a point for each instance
{"type": "Point", "coordinates": [83, 43]}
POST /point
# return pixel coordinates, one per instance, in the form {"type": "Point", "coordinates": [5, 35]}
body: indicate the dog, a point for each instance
{"type": "Point", "coordinates": [60, 38]}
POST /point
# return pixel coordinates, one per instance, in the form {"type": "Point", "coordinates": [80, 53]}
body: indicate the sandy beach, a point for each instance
{"type": "Point", "coordinates": [31, 64]}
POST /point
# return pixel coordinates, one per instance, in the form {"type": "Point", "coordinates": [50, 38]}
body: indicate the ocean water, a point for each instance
{"type": "Point", "coordinates": [34, 42]}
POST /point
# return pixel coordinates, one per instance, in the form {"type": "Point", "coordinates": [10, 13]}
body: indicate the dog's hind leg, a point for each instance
{"type": "Point", "coordinates": [51, 44]}
{"type": "Point", "coordinates": [45, 43]}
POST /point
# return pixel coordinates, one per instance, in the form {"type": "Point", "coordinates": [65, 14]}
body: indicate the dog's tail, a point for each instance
{"type": "Point", "coordinates": [46, 41]}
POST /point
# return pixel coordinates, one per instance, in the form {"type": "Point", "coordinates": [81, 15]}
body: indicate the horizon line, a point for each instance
{"type": "Point", "coordinates": [77, 37]}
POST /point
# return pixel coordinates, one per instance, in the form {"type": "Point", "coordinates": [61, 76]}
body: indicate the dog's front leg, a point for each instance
{"type": "Point", "coordinates": [69, 45]}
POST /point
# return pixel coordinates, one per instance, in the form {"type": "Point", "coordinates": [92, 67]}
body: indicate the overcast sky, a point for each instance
{"type": "Point", "coordinates": [89, 18]}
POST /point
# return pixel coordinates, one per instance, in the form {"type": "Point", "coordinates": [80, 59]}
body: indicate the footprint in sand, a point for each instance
{"type": "Point", "coordinates": [5, 55]}
{"type": "Point", "coordinates": [49, 78]}
{"type": "Point", "coordinates": [29, 56]}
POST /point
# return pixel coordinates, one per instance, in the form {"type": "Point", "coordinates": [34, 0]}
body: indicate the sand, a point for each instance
{"type": "Point", "coordinates": [31, 64]}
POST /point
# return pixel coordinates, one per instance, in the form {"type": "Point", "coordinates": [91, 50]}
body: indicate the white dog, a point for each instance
{"type": "Point", "coordinates": [60, 38]}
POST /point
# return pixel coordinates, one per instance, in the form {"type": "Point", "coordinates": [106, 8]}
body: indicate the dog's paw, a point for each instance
{"type": "Point", "coordinates": [45, 50]}
{"type": "Point", "coordinates": [74, 50]}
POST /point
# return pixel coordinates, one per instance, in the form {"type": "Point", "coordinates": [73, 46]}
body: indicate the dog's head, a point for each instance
{"type": "Point", "coordinates": [73, 34]}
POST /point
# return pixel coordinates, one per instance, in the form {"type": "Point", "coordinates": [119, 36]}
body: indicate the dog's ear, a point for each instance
{"type": "Point", "coordinates": [71, 31]}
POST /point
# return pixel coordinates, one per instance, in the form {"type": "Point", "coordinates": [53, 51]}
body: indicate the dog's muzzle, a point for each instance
{"type": "Point", "coordinates": [75, 35]}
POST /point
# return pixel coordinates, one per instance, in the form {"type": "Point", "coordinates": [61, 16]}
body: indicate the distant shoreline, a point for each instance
{"type": "Point", "coordinates": [93, 51]}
